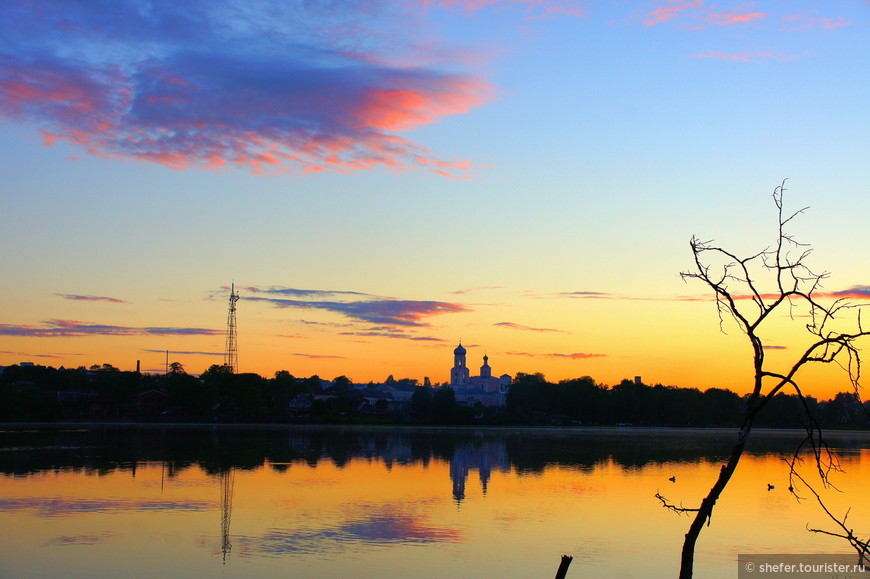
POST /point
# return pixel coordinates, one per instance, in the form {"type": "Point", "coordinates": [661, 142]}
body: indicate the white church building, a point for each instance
{"type": "Point", "coordinates": [486, 388]}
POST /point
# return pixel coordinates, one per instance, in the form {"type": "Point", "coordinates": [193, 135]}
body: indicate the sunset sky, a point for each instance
{"type": "Point", "coordinates": [382, 179]}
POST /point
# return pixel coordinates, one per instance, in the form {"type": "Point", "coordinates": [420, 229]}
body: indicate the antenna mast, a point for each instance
{"type": "Point", "coordinates": [231, 353]}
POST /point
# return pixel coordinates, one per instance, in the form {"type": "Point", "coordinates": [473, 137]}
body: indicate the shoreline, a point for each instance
{"type": "Point", "coordinates": [402, 428]}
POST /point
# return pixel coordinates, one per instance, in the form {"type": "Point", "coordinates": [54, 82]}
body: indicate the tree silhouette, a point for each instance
{"type": "Point", "coordinates": [755, 292]}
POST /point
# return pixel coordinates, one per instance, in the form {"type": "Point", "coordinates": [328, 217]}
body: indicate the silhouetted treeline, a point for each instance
{"type": "Point", "coordinates": [102, 392]}
{"type": "Point", "coordinates": [532, 398]}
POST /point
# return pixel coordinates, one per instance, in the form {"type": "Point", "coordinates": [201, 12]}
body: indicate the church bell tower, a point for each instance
{"type": "Point", "coordinates": [459, 373]}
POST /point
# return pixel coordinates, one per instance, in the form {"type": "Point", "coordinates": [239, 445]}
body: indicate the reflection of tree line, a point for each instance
{"type": "Point", "coordinates": [100, 451]}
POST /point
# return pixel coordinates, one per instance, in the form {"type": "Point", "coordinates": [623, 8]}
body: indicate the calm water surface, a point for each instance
{"type": "Point", "coordinates": [204, 502]}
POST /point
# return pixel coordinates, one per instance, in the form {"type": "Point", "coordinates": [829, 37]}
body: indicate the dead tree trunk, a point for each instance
{"type": "Point", "coordinates": [750, 291]}
{"type": "Point", "coordinates": [705, 512]}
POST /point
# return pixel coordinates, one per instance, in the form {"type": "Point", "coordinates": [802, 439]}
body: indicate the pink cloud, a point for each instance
{"type": "Point", "coordinates": [264, 94]}
{"type": "Point", "coordinates": [734, 17]}
{"type": "Point", "coordinates": [402, 109]}
{"type": "Point", "coordinates": [806, 20]}
{"type": "Point", "coordinates": [31, 88]}
{"type": "Point", "coordinates": [673, 10]}
{"type": "Point", "coordinates": [700, 14]}
{"type": "Point", "coordinates": [575, 356]}
{"type": "Point", "coordinates": [858, 292]}
{"type": "Point", "coordinates": [533, 8]}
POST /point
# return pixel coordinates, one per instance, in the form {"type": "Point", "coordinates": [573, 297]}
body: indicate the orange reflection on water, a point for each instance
{"type": "Point", "coordinates": [479, 513]}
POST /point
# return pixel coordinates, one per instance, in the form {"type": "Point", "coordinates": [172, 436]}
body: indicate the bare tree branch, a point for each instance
{"type": "Point", "coordinates": [738, 288]}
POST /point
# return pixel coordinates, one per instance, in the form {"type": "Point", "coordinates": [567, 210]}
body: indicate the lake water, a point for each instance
{"type": "Point", "coordinates": [206, 502]}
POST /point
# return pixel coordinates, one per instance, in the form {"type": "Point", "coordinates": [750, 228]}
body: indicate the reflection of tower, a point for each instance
{"type": "Point", "coordinates": [231, 353]}
{"type": "Point", "coordinates": [458, 473]}
{"type": "Point", "coordinates": [483, 456]}
{"type": "Point", "coordinates": [227, 482]}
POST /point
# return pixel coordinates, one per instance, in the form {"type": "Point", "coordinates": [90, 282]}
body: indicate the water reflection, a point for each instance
{"type": "Point", "coordinates": [379, 503]}
{"type": "Point", "coordinates": [227, 479]}
{"type": "Point", "coordinates": [67, 507]}
{"type": "Point", "coordinates": [99, 451]}
{"type": "Point", "coordinates": [483, 457]}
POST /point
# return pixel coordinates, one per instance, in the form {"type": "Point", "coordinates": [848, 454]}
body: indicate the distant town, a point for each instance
{"type": "Point", "coordinates": [31, 392]}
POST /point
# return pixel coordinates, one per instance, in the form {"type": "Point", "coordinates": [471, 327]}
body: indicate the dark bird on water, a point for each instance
{"type": "Point", "coordinates": [673, 479]}
{"type": "Point", "coordinates": [770, 487]}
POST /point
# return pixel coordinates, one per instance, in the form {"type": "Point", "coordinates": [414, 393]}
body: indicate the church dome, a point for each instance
{"type": "Point", "coordinates": [459, 351]}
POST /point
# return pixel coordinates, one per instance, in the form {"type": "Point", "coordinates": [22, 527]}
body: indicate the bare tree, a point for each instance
{"type": "Point", "coordinates": [755, 291]}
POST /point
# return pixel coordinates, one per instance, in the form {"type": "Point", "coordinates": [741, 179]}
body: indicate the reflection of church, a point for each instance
{"type": "Point", "coordinates": [483, 456]}
{"type": "Point", "coordinates": [486, 388]}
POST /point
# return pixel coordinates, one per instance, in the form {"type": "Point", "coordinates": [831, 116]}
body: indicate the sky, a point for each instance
{"type": "Point", "coordinates": [383, 180]}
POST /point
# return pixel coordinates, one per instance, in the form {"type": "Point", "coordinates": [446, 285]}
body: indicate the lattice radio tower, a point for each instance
{"type": "Point", "coordinates": [231, 353]}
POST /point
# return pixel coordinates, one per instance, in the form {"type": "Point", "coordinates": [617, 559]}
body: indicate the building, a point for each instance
{"type": "Point", "coordinates": [485, 388]}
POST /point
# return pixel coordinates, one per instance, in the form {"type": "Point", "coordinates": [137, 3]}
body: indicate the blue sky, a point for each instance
{"type": "Point", "coordinates": [468, 165]}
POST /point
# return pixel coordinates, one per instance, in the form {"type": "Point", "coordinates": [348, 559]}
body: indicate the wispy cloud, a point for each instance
{"type": "Point", "coordinates": [574, 356]}
{"type": "Point", "coordinates": [81, 298]}
{"type": "Point", "coordinates": [303, 293]}
{"type": "Point", "coordinates": [744, 56]}
{"type": "Point", "coordinates": [532, 8]}
{"type": "Point", "coordinates": [318, 356]}
{"type": "Point", "coordinates": [734, 17]}
{"type": "Point", "coordinates": [589, 295]}
{"type": "Point", "coordinates": [478, 288]}
{"type": "Point", "coordinates": [28, 355]}
{"type": "Point", "coordinates": [700, 14]}
{"type": "Point", "coordinates": [72, 328]}
{"type": "Point", "coordinates": [376, 311]}
{"type": "Point", "coordinates": [362, 307]}
{"type": "Point", "coordinates": [807, 20]}
{"type": "Point", "coordinates": [327, 324]}
{"type": "Point", "coordinates": [184, 352]}
{"type": "Point", "coordinates": [671, 10]}
{"type": "Point", "coordinates": [775, 347]}
{"type": "Point", "coordinates": [856, 292]}
{"type": "Point", "coordinates": [270, 86]}
{"type": "Point", "coordinates": [388, 334]}
{"type": "Point", "coordinates": [514, 326]}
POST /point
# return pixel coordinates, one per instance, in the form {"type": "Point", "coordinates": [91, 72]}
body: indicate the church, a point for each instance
{"type": "Point", "coordinates": [486, 389]}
